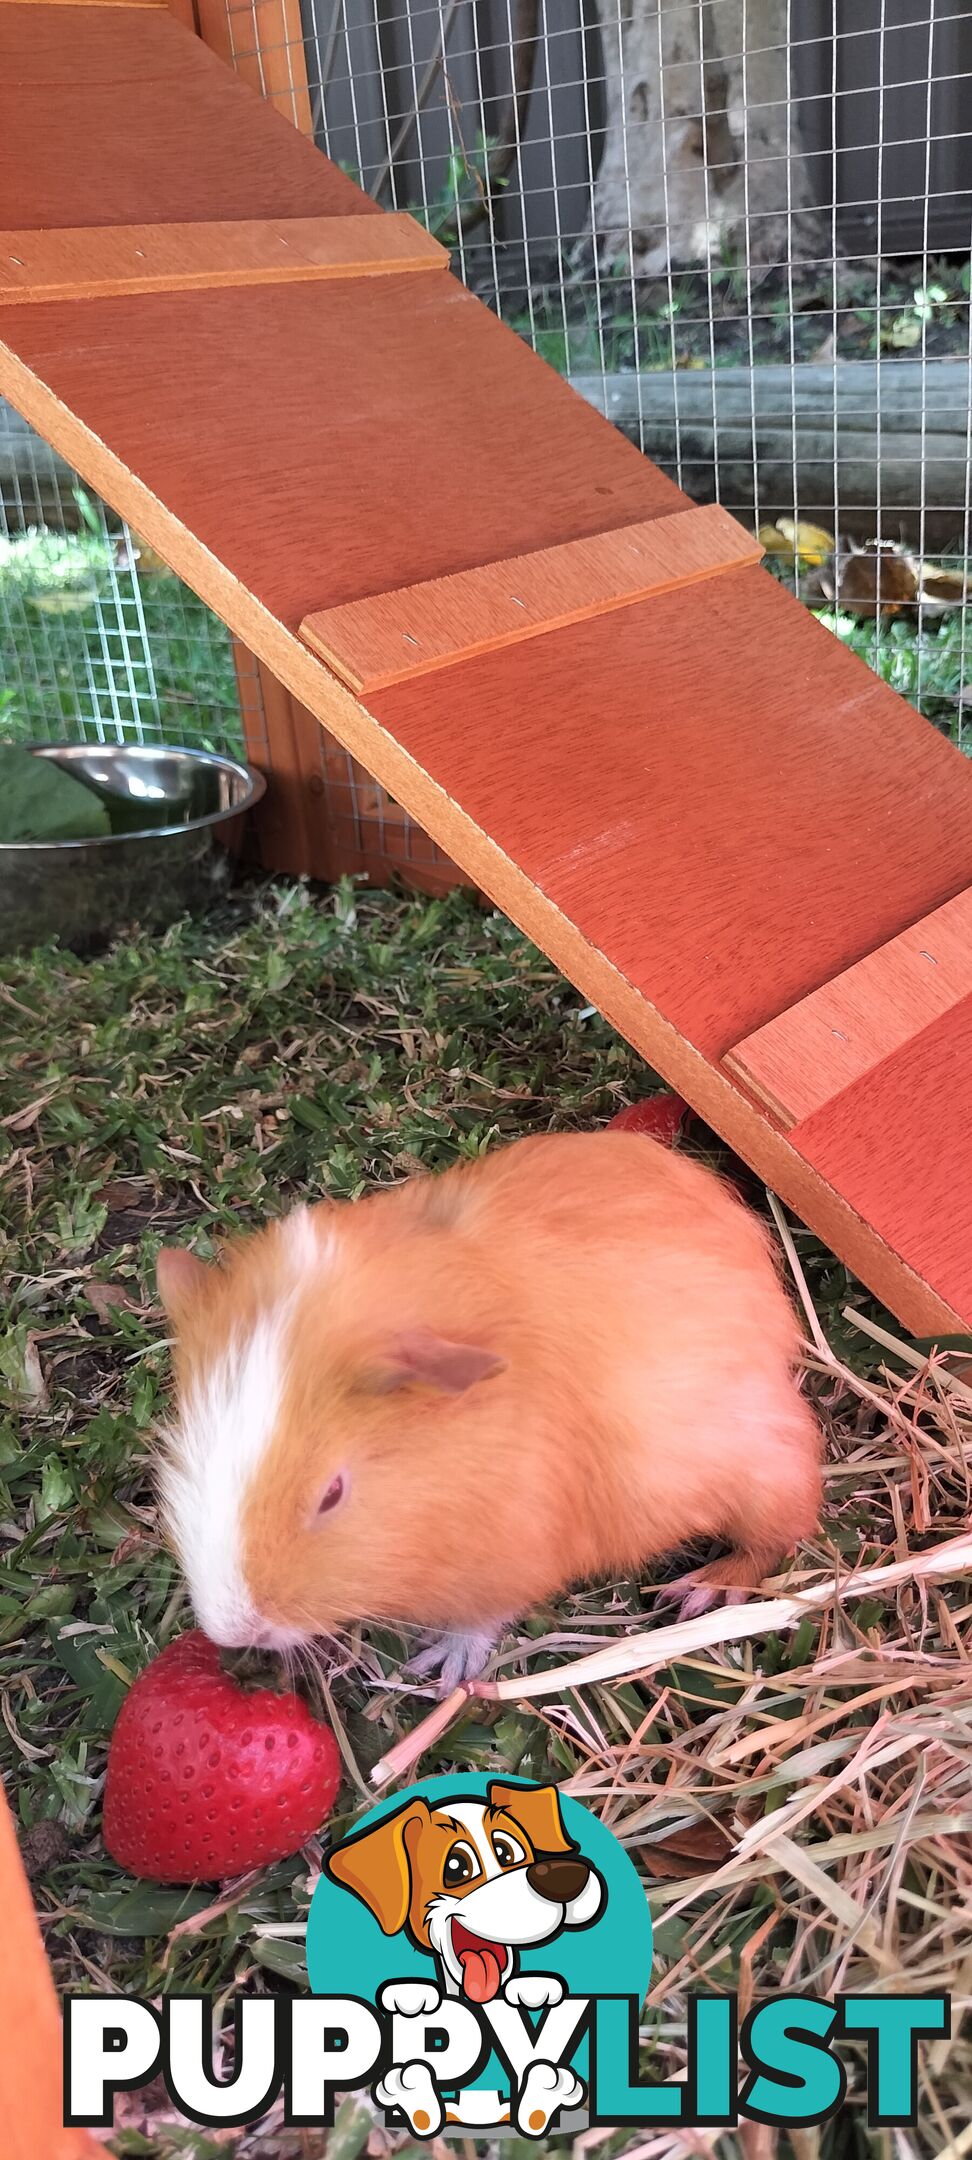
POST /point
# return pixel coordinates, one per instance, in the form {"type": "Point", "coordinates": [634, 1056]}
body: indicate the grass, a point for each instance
{"type": "Point", "coordinates": [799, 1803]}
{"type": "Point", "coordinates": [88, 648]}
{"type": "Point", "coordinates": [584, 319]}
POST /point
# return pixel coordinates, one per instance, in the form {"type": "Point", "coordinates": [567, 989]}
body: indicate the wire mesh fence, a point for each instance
{"type": "Point", "coordinates": [98, 641]}
{"type": "Point", "coordinates": [741, 227]}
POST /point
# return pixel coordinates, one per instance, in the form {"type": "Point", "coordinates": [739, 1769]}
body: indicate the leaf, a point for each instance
{"type": "Point", "coordinates": [56, 1490]}
{"type": "Point", "coordinates": [39, 800]}
{"type": "Point", "coordinates": [772, 540]}
{"type": "Point", "coordinates": [145, 1909]}
{"type": "Point", "coordinates": [288, 1959]}
{"type": "Point", "coordinates": [811, 542]}
{"type": "Point", "coordinates": [79, 1656]}
{"type": "Point", "coordinates": [693, 1850]}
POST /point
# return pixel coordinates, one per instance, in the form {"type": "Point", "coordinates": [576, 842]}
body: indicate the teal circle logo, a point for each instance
{"type": "Point", "coordinates": [490, 1895]}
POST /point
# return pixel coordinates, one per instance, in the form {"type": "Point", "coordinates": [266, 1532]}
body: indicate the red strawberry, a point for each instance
{"type": "Point", "coordinates": [660, 1116]}
{"type": "Point", "coordinates": [206, 1780]}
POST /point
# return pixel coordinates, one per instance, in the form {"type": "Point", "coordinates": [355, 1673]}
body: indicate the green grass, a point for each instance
{"type": "Point", "coordinates": [583, 321]}
{"type": "Point", "coordinates": [287, 1047]}
{"type": "Point", "coordinates": [295, 1044]}
{"type": "Point", "coordinates": [85, 648]}
{"type": "Point", "coordinates": [929, 665]}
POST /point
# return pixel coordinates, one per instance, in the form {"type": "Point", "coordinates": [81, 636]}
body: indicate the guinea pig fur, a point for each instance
{"type": "Point", "coordinates": [444, 1403]}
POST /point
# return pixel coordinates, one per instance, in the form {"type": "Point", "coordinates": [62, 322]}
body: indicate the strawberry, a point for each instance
{"type": "Point", "coordinates": [206, 1780]}
{"type": "Point", "coordinates": [660, 1116]}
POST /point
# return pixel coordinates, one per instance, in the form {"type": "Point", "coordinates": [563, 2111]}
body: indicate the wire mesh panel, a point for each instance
{"type": "Point", "coordinates": [742, 227]}
{"type": "Point", "coordinates": [98, 642]}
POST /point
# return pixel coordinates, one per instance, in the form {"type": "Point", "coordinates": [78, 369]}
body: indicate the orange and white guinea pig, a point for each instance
{"type": "Point", "coordinates": [448, 1401]}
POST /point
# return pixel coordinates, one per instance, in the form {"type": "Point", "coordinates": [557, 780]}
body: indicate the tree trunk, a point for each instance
{"type": "Point", "coordinates": [702, 154]}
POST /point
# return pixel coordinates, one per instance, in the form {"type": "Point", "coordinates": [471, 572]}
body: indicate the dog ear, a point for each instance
{"type": "Point", "coordinates": [538, 1809]}
{"type": "Point", "coordinates": [375, 1866]}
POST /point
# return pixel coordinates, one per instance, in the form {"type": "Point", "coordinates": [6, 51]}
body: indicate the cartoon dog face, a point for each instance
{"type": "Point", "coordinates": [471, 1881]}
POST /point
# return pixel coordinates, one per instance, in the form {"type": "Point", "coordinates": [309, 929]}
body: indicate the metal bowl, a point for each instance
{"type": "Point", "coordinates": [171, 809]}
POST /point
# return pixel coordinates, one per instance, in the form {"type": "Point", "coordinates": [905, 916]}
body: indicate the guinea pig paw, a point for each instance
{"type": "Point", "coordinates": [455, 1657]}
{"type": "Point", "coordinates": [411, 2087]}
{"type": "Point", "coordinates": [534, 1991]}
{"type": "Point", "coordinates": [410, 1998]}
{"type": "Point", "coordinates": [546, 2088]}
{"type": "Point", "coordinates": [697, 1593]}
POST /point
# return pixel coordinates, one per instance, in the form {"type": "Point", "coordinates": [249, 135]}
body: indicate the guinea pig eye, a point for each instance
{"type": "Point", "coordinates": [330, 1497]}
{"type": "Point", "coordinates": [461, 1865]}
{"type": "Point", "coordinates": [508, 1852]}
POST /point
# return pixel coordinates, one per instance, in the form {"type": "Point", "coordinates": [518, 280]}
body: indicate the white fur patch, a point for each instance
{"type": "Point", "coordinates": [308, 1243]}
{"type": "Point", "coordinates": [225, 1426]}
{"type": "Point", "coordinates": [300, 1233]}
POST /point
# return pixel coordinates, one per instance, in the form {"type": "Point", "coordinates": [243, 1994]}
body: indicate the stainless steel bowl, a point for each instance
{"type": "Point", "coordinates": [171, 810]}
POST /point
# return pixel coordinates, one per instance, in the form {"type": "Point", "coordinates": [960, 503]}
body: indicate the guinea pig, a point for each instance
{"type": "Point", "coordinates": [446, 1402]}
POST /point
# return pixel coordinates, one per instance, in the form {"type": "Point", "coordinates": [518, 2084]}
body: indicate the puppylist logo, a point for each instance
{"type": "Point", "coordinates": [479, 1951]}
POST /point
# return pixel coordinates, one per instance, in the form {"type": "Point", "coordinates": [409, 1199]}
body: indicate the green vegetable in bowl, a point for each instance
{"type": "Point", "coordinates": [39, 800]}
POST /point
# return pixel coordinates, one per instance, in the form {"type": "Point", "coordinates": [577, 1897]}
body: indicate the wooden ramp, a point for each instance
{"type": "Point", "coordinates": [744, 849]}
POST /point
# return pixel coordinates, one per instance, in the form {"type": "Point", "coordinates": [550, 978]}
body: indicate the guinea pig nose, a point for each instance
{"type": "Point", "coordinates": [560, 1878]}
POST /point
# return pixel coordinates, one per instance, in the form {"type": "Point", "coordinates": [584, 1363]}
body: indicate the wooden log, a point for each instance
{"type": "Point", "coordinates": [818, 433]}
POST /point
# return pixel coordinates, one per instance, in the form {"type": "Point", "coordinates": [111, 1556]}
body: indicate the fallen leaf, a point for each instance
{"type": "Point", "coordinates": [873, 579]}
{"type": "Point", "coordinates": [22, 1120]}
{"type": "Point", "coordinates": [691, 1851]}
{"type": "Point", "coordinates": [35, 1385]}
{"type": "Point", "coordinates": [107, 1297]}
{"type": "Point", "coordinates": [811, 542]}
{"type": "Point", "coordinates": [904, 334]}
{"type": "Point", "coordinates": [117, 1194]}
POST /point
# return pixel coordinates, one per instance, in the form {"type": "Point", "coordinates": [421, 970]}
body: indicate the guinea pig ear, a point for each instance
{"type": "Point", "coordinates": [181, 1280]}
{"type": "Point", "coordinates": [420, 1358]}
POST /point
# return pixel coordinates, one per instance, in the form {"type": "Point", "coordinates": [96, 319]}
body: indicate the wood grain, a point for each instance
{"type": "Point", "coordinates": [570, 940]}
{"type": "Point", "coordinates": [797, 1062]}
{"type": "Point", "coordinates": [898, 1144]}
{"type": "Point", "coordinates": [79, 147]}
{"type": "Point", "coordinates": [701, 806]}
{"type": "Point", "coordinates": [77, 263]}
{"type": "Point", "coordinates": [730, 805]}
{"type": "Point", "coordinates": [393, 636]}
{"type": "Point", "coordinates": [31, 2092]}
{"type": "Point", "coordinates": [338, 442]}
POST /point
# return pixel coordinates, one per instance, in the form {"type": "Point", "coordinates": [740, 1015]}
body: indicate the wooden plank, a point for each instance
{"type": "Point", "coordinates": [798, 1061]}
{"type": "Point", "coordinates": [700, 805]}
{"type": "Point", "coordinates": [579, 930]}
{"type": "Point", "coordinates": [729, 803]}
{"type": "Point", "coordinates": [31, 2091]}
{"type": "Point", "coordinates": [315, 456]}
{"type": "Point", "coordinates": [216, 150]}
{"type": "Point", "coordinates": [393, 636]}
{"type": "Point", "coordinates": [98, 3]}
{"type": "Point", "coordinates": [76, 263]}
{"type": "Point", "coordinates": [898, 1144]}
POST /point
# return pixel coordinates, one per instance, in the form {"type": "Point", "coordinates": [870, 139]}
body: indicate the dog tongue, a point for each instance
{"type": "Point", "coordinates": [482, 1971]}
